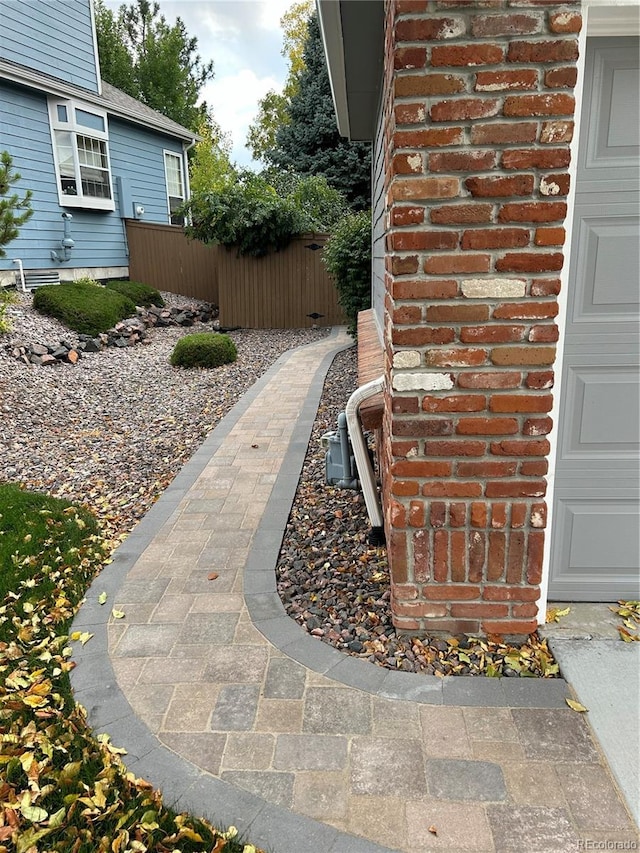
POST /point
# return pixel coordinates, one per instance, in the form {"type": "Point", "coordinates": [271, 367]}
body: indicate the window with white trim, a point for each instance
{"type": "Point", "coordinates": [80, 135]}
{"type": "Point", "coordinates": [173, 168]}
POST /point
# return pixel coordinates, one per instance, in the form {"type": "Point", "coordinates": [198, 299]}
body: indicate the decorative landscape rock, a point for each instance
{"type": "Point", "coordinates": [124, 334]}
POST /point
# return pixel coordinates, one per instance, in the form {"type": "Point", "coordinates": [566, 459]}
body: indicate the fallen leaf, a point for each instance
{"type": "Point", "coordinates": [212, 576]}
{"type": "Point", "coordinates": [433, 830]}
{"type": "Point", "coordinates": [576, 706]}
{"type": "Point", "coordinates": [34, 813]}
{"type": "Point", "coordinates": [255, 446]}
{"type": "Point", "coordinates": [554, 614]}
{"type": "Point", "coordinates": [627, 636]}
{"type": "Point", "coordinates": [117, 614]}
{"type": "Point", "coordinates": [102, 598]}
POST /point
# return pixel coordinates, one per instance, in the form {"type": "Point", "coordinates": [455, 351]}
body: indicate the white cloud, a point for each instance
{"type": "Point", "coordinates": [271, 11]}
{"type": "Point", "coordinates": [234, 100]}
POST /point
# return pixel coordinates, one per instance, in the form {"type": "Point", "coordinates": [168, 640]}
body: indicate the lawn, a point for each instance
{"type": "Point", "coordinates": [62, 789]}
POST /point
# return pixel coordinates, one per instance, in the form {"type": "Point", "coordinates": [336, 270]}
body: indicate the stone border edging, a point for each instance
{"type": "Point", "coordinates": [183, 784]}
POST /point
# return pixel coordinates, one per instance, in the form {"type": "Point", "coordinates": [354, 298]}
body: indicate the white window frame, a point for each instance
{"type": "Point", "coordinates": [76, 130]}
{"type": "Point", "coordinates": [179, 157]}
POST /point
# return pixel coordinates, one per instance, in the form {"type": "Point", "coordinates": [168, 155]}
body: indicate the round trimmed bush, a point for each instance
{"type": "Point", "coordinates": [139, 293]}
{"type": "Point", "coordinates": [204, 349]}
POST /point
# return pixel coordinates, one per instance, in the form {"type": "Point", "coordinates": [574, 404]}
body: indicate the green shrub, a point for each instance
{"type": "Point", "coordinates": [7, 297]}
{"type": "Point", "coordinates": [247, 214]}
{"type": "Point", "coordinates": [347, 257]}
{"type": "Point", "coordinates": [137, 292]}
{"type": "Point", "coordinates": [83, 305]}
{"type": "Point", "coordinates": [321, 205]}
{"type": "Point", "coordinates": [204, 349]}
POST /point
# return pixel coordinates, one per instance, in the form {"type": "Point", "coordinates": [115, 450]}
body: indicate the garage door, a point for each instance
{"type": "Point", "coordinates": [595, 550]}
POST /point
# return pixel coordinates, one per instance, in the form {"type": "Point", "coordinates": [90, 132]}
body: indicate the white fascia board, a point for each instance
{"type": "Point", "coordinates": [330, 22]}
{"type": "Point", "coordinates": [612, 17]}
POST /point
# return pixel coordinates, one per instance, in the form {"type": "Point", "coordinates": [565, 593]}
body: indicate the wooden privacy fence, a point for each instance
{"type": "Point", "coordinates": [162, 257]}
{"type": "Point", "coordinates": [284, 290]}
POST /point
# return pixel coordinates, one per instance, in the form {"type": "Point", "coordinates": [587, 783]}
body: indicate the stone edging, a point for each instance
{"type": "Point", "coordinates": [184, 785]}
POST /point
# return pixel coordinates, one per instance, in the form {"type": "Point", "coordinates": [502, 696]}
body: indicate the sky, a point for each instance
{"type": "Point", "coordinates": [244, 40]}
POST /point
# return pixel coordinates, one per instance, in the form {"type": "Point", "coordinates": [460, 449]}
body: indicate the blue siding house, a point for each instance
{"type": "Point", "coordinates": [91, 155]}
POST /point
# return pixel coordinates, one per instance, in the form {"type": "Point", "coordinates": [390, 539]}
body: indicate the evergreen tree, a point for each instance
{"type": "Point", "coordinates": [144, 56]}
{"type": "Point", "coordinates": [116, 63]}
{"type": "Point", "coordinates": [310, 143]}
{"type": "Point", "coordinates": [14, 211]}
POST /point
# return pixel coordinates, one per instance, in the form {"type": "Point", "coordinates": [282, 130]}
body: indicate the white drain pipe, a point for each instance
{"type": "Point", "coordinates": [362, 458]}
{"type": "Point", "coordinates": [23, 285]}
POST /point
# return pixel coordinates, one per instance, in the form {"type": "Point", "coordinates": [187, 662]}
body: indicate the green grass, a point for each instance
{"type": "Point", "coordinates": [138, 293]}
{"type": "Point", "coordinates": [62, 788]}
{"type": "Point", "coordinates": [83, 305]}
{"type": "Point", "coordinates": [38, 530]}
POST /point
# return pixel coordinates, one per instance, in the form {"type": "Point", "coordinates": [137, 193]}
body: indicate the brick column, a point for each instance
{"type": "Point", "coordinates": [479, 117]}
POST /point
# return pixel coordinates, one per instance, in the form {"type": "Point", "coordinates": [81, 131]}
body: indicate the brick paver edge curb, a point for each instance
{"type": "Point", "coordinates": [187, 787]}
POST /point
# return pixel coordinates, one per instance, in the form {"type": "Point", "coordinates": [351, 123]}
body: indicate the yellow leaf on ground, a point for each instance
{"type": "Point", "coordinates": [554, 614]}
{"type": "Point", "coordinates": [576, 706]}
{"type": "Point", "coordinates": [117, 614]}
{"type": "Point", "coordinates": [627, 636]}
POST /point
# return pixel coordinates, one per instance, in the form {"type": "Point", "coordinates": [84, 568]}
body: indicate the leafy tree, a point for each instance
{"type": "Point", "coordinates": [210, 167]}
{"type": "Point", "coordinates": [258, 214]}
{"type": "Point", "coordinates": [14, 211]}
{"type": "Point", "coordinates": [295, 27]}
{"type": "Point", "coordinates": [272, 113]}
{"type": "Point", "coordinates": [320, 205]}
{"type": "Point", "coordinates": [163, 68]}
{"type": "Point", "coordinates": [273, 107]}
{"type": "Point", "coordinates": [310, 143]}
{"type": "Point", "coordinates": [347, 257]}
{"type": "Point", "coordinates": [247, 214]}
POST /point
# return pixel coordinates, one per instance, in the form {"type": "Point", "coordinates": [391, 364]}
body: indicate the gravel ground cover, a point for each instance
{"type": "Point", "coordinates": [334, 584]}
{"type": "Point", "coordinates": [113, 430]}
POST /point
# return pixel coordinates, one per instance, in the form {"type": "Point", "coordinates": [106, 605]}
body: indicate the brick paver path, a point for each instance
{"type": "Point", "coordinates": [408, 775]}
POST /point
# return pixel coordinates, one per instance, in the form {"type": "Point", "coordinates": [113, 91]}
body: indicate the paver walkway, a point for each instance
{"type": "Point", "coordinates": [237, 714]}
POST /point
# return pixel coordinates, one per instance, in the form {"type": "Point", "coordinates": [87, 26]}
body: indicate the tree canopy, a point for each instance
{"type": "Point", "coordinates": [309, 142]}
{"type": "Point", "coordinates": [153, 61]}
{"type": "Point", "coordinates": [209, 166]}
{"type": "Point", "coordinates": [272, 110]}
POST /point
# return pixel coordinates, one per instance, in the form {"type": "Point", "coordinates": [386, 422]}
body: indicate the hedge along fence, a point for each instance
{"type": "Point", "coordinates": [279, 291]}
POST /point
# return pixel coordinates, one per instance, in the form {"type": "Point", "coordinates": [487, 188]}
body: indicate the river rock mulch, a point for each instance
{"type": "Point", "coordinates": [113, 430]}
{"type": "Point", "coordinates": [334, 584]}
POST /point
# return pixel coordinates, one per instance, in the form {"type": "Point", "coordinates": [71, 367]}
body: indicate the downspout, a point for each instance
{"type": "Point", "coordinates": [362, 458]}
{"type": "Point", "coordinates": [187, 183]}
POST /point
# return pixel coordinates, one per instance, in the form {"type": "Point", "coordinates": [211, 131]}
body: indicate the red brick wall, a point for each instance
{"type": "Point", "coordinates": [478, 112]}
